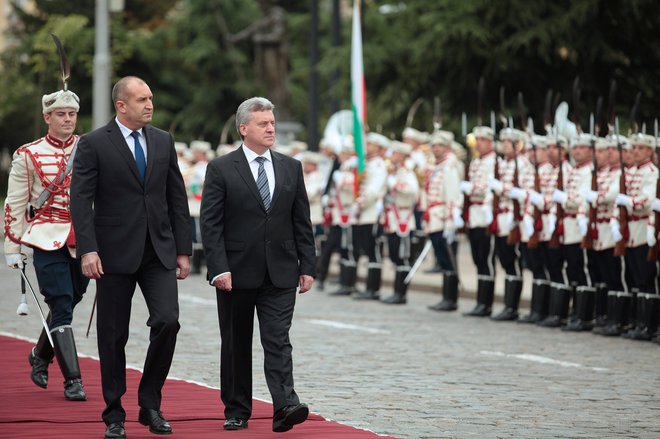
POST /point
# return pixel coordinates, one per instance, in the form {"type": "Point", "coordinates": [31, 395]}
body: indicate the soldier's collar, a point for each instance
{"type": "Point", "coordinates": [645, 163]}
{"type": "Point", "coordinates": [59, 143]}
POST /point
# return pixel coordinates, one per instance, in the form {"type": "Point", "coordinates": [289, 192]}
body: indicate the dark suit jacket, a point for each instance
{"type": "Point", "coordinates": [240, 236]}
{"type": "Point", "coordinates": [112, 210]}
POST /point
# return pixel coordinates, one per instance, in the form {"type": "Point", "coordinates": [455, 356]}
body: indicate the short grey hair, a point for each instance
{"type": "Point", "coordinates": [249, 106]}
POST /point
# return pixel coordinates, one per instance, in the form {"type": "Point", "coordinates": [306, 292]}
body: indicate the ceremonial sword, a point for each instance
{"type": "Point", "coordinates": [41, 313]}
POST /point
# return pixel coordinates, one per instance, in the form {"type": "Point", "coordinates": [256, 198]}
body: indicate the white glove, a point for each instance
{"type": "Point", "coordinates": [590, 196]}
{"type": "Point", "coordinates": [515, 193]}
{"type": "Point", "coordinates": [495, 185]}
{"type": "Point", "coordinates": [615, 227]}
{"type": "Point", "coordinates": [559, 196]}
{"type": "Point", "coordinates": [552, 223]}
{"type": "Point", "coordinates": [510, 221]}
{"type": "Point", "coordinates": [325, 200]}
{"type": "Point", "coordinates": [449, 235]}
{"type": "Point", "coordinates": [14, 260]}
{"type": "Point", "coordinates": [466, 187]}
{"type": "Point", "coordinates": [488, 214]}
{"type": "Point", "coordinates": [380, 206]}
{"type": "Point", "coordinates": [457, 218]}
{"type": "Point", "coordinates": [528, 224]}
{"type": "Point", "coordinates": [536, 199]}
{"type": "Point", "coordinates": [655, 205]}
{"type": "Point", "coordinates": [623, 200]}
{"type": "Point", "coordinates": [336, 177]}
{"type": "Point", "coordinates": [355, 211]}
{"type": "Point", "coordinates": [391, 181]}
{"type": "Point", "coordinates": [650, 236]}
{"type": "Point", "coordinates": [583, 224]}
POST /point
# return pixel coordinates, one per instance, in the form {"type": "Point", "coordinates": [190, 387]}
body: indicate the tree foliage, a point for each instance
{"type": "Point", "coordinates": [412, 49]}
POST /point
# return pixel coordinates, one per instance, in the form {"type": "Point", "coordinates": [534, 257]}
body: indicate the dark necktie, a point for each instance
{"type": "Point", "coordinates": [262, 182]}
{"type": "Point", "coordinates": [140, 161]}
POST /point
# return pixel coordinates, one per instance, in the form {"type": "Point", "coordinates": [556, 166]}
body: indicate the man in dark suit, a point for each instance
{"type": "Point", "coordinates": [130, 213]}
{"type": "Point", "coordinates": [259, 244]}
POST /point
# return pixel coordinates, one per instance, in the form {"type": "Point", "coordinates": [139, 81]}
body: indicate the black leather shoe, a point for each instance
{"type": "Point", "coordinates": [74, 391]}
{"type": "Point", "coordinates": [115, 431]}
{"type": "Point", "coordinates": [235, 424]}
{"type": "Point", "coordinates": [39, 373]}
{"type": "Point", "coordinates": [287, 417]}
{"type": "Point", "coordinates": [394, 299]}
{"type": "Point", "coordinates": [154, 419]}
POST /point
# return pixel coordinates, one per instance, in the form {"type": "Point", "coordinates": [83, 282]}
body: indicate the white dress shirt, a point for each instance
{"type": "Point", "coordinates": [126, 132]}
{"type": "Point", "coordinates": [254, 167]}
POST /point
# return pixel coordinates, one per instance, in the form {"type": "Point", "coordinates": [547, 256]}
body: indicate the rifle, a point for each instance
{"type": "Point", "coordinates": [492, 230]}
{"type": "Point", "coordinates": [592, 228]}
{"type": "Point", "coordinates": [480, 109]}
{"type": "Point", "coordinates": [654, 252]}
{"type": "Point", "coordinates": [555, 239]}
{"type": "Point", "coordinates": [620, 246]}
{"type": "Point", "coordinates": [533, 241]}
{"type": "Point", "coordinates": [514, 234]}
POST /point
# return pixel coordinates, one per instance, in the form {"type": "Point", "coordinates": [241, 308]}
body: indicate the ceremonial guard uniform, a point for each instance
{"type": "Point", "coordinates": [342, 199]}
{"type": "Point", "coordinates": [194, 179]}
{"type": "Point", "coordinates": [442, 203]}
{"type": "Point", "coordinates": [315, 185]}
{"type": "Point", "coordinates": [480, 217]}
{"type": "Point", "coordinates": [368, 211]}
{"type": "Point", "coordinates": [643, 273]}
{"type": "Point", "coordinates": [573, 229]}
{"type": "Point", "coordinates": [403, 192]}
{"type": "Point", "coordinates": [508, 233]}
{"type": "Point", "coordinates": [43, 222]}
{"type": "Point", "coordinates": [546, 262]}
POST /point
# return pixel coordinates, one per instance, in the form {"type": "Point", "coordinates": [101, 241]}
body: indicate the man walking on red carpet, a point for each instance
{"type": "Point", "coordinates": [130, 213]}
{"type": "Point", "coordinates": [259, 244]}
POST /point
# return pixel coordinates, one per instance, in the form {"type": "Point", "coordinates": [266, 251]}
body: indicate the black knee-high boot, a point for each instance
{"type": "Point", "coordinates": [449, 300]}
{"type": "Point", "coordinates": [67, 357]}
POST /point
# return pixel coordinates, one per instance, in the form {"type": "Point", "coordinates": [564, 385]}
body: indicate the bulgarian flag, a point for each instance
{"type": "Point", "coordinates": [358, 89]}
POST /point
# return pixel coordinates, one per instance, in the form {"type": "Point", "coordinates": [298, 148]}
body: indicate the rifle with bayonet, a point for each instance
{"type": "Point", "coordinates": [514, 234]}
{"type": "Point", "coordinates": [654, 251]}
{"type": "Point", "coordinates": [480, 114]}
{"type": "Point", "coordinates": [592, 226]}
{"type": "Point", "coordinates": [496, 169]}
{"type": "Point", "coordinates": [537, 217]}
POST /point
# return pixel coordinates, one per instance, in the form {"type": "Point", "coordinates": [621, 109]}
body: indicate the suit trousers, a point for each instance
{"type": "Point", "coordinates": [114, 295]}
{"type": "Point", "coordinates": [274, 308]}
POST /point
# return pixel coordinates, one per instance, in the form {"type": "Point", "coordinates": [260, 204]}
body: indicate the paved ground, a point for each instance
{"type": "Point", "coordinates": [413, 373]}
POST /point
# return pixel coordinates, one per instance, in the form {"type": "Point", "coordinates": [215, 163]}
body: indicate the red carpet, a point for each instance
{"type": "Point", "coordinates": [194, 411]}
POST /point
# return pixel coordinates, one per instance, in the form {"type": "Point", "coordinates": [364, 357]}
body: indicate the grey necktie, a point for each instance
{"type": "Point", "coordinates": [262, 183]}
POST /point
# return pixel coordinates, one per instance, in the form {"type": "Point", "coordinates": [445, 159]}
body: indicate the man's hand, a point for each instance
{"type": "Point", "coordinates": [15, 260]}
{"type": "Point", "coordinates": [91, 266]}
{"type": "Point", "coordinates": [183, 266]}
{"type": "Point", "coordinates": [223, 282]}
{"type": "Point", "coordinates": [305, 283]}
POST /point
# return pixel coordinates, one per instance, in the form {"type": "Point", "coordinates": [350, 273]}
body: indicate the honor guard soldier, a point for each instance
{"type": "Point", "coordinates": [342, 199]}
{"type": "Point", "coordinates": [402, 196]}
{"type": "Point", "coordinates": [546, 263]}
{"type": "Point", "coordinates": [480, 216]}
{"type": "Point", "coordinates": [516, 177]}
{"type": "Point", "coordinates": [369, 208]}
{"type": "Point", "coordinates": [315, 185]}
{"type": "Point", "coordinates": [194, 178]}
{"type": "Point", "coordinates": [37, 215]}
{"type": "Point", "coordinates": [605, 267]}
{"type": "Point", "coordinates": [421, 158]}
{"type": "Point", "coordinates": [643, 273]}
{"type": "Point", "coordinates": [574, 227]}
{"type": "Point", "coordinates": [442, 203]}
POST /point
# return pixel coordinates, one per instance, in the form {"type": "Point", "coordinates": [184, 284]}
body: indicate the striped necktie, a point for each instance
{"type": "Point", "coordinates": [262, 183]}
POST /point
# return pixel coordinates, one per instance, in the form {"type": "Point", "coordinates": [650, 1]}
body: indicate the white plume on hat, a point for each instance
{"type": "Point", "coordinates": [643, 140]}
{"type": "Point", "coordinates": [60, 99]}
{"type": "Point", "coordinates": [483, 132]}
{"type": "Point", "coordinates": [400, 147]}
{"type": "Point", "coordinates": [378, 140]}
{"type": "Point", "coordinates": [581, 139]}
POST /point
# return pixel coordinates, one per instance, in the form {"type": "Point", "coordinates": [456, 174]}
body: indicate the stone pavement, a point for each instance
{"type": "Point", "coordinates": [413, 373]}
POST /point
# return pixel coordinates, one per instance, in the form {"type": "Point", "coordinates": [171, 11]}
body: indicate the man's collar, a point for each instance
{"type": "Point", "coordinates": [251, 155]}
{"type": "Point", "coordinates": [126, 131]}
